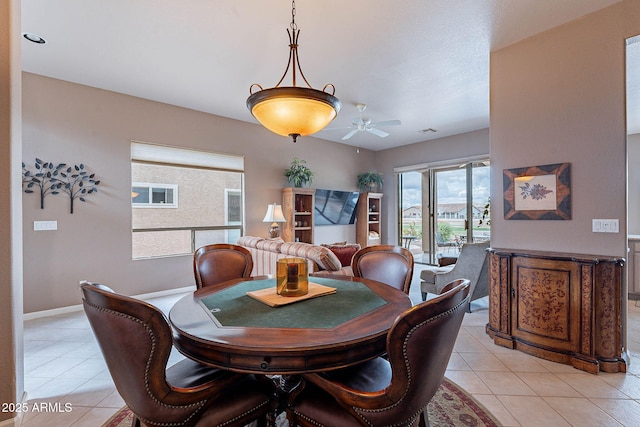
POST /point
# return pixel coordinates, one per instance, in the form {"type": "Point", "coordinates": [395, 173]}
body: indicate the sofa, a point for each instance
{"type": "Point", "coordinates": [323, 259]}
{"type": "Point", "coordinates": [471, 264]}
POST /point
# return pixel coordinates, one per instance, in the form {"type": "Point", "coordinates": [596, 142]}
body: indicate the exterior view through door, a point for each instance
{"type": "Point", "coordinates": [442, 207]}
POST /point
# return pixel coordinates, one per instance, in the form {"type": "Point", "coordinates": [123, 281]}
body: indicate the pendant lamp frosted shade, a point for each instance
{"type": "Point", "coordinates": [291, 110]}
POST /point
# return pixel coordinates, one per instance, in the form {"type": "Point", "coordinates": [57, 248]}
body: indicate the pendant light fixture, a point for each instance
{"type": "Point", "coordinates": [291, 110]}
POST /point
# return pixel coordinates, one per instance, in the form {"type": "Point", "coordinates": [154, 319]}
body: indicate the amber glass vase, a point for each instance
{"type": "Point", "coordinates": [292, 277]}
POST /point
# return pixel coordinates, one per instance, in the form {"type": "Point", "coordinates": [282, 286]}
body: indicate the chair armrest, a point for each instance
{"type": "Point", "coordinates": [471, 269]}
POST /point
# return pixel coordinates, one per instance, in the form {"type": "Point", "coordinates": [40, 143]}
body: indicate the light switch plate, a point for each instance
{"type": "Point", "coordinates": [605, 225]}
{"type": "Point", "coordinates": [45, 225]}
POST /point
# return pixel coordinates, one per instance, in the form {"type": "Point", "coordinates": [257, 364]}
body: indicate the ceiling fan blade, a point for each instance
{"type": "Point", "coordinates": [338, 128]}
{"type": "Point", "coordinates": [387, 123]}
{"type": "Point", "coordinates": [350, 134]}
{"type": "Point", "coordinates": [377, 132]}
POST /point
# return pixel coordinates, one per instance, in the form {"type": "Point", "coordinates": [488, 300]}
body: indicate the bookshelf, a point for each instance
{"type": "Point", "coordinates": [298, 207]}
{"type": "Point", "coordinates": [368, 223]}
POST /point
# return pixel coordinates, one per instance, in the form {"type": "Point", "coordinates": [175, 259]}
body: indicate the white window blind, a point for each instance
{"type": "Point", "coordinates": [142, 151]}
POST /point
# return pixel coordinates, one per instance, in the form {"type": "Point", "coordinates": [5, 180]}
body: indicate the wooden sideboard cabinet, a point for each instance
{"type": "Point", "coordinates": [561, 307]}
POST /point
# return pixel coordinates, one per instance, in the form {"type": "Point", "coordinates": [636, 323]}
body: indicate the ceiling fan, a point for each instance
{"type": "Point", "coordinates": [364, 124]}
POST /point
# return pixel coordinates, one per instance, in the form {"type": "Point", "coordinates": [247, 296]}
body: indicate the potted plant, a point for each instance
{"type": "Point", "coordinates": [486, 213]}
{"type": "Point", "coordinates": [370, 181]}
{"type": "Point", "coordinates": [298, 173]}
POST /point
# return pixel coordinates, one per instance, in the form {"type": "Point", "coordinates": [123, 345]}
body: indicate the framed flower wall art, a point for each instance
{"type": "Point", "coordinates": [538, 192]}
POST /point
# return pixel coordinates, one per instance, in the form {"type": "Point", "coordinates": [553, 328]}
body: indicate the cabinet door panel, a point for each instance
{"type": "Point", "coordinates": [546, 303]}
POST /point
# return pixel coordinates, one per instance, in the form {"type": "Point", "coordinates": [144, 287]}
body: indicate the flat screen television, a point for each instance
{"type": "Point", "coordinates": [335, 207]}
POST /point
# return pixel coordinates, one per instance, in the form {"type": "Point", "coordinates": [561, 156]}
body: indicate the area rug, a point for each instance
{"type": "Point", "coordinates": [450, 407]}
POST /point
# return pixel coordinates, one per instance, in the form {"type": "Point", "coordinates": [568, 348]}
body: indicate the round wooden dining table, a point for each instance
{"type": "Point", "coordinates": [224, 327]}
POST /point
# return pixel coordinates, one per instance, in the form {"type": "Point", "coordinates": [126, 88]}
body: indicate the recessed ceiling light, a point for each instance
{"type": "Point", "coordinates": [429, 130]}
{"type": "Point", "coordinates": [34, 38]}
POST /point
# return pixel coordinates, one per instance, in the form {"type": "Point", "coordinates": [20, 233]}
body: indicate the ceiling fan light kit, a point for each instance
{"type": "Point", "coordinates": [291, 110]}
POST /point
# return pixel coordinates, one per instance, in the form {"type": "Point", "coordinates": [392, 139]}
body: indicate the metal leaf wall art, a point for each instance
{"type": "Point", "coordinates": [75, 181]}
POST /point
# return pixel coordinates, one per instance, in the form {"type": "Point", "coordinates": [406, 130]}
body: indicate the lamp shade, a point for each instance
{"type": "Point", "coordinates": [274, 214]}
{"type": "Point", "coordinates": [289, 111]}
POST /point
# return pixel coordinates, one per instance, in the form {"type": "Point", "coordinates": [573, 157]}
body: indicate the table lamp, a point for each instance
{"type": "Point", "coordinates": [274, 216]}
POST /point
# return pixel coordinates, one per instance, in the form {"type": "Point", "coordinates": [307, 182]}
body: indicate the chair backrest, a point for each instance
{"type": "Point", "coordinates": [214, 264]}
{"type": "Point", "coordinates": [472, 263]}
{"type": "Point", "coordinates": [388, 264]}
{"type": "Point", "coordinates": [135, 339]}
{"type": "Point", "coordinates": [419, 345]}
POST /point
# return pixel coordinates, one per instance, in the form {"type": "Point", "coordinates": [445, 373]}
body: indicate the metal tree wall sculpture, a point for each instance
{"type": "Point", "coordinates": [49, 179]}
{"type": "Point", "coordinates": [44, 179]}
{"type": "Point", "coordinates": [77, 183]}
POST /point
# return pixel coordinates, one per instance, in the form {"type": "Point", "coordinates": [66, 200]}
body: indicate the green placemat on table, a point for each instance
{"type": "Point", "coordinates": [233, 307]}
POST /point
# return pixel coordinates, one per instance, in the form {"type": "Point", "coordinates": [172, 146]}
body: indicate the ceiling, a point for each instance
{"type": "Point", "coordinates": [423, 62]}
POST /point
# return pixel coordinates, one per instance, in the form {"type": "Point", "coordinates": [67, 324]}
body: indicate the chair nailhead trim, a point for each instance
{"type": "Point", "coordinates": [304, 417]}
{"type": "Point", "coordinates": [237, 417]}
{"type": "Point", "coordinates": [361, 411]}
{"type": "Point", "coordinates": [197, 405]}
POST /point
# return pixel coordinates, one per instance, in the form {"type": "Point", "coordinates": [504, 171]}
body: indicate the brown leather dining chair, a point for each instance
{"type": "Point", "coordinates": [217, 263]}
{"type": "Point", "coordinates": [388, 264]}
{"type": "Point", "coordinates": [136, 339]}
{"type": "Point", "coordinates": [388, 392]}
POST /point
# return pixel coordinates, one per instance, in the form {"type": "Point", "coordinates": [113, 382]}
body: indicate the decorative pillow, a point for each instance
{"type": "Point", "coordinates": [249, 241]}
{"type": "Point", "coordinates": [344, 252]}
{"type": "Point", "coordinates": [322, 256]}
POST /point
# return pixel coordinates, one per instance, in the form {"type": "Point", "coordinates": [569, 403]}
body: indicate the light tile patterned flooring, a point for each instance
{"type": "Point", "coordinates": [63, 365]}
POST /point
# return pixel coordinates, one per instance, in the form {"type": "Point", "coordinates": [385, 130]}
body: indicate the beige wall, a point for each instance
{"type": "Point", "coordinates": [70, 123]}
{"type": "Point", "coordinates": [11, 344]}
{"type": "Point", "coordinates": [560, 97]}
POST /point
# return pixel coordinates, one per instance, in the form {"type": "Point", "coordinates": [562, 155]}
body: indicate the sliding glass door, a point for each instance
{"type": "Point", "coordinates": [441, 208]}
{"type": "Point", "coordinates": [410, 212]}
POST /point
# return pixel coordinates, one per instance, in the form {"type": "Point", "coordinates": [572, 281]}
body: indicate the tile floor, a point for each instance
{"type": "Point", "coordinates": [63, 365]}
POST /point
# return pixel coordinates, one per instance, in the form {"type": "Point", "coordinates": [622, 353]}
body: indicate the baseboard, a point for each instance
{"type": "Point", "coordinates": [166, 293]}
{"type": "Point", "coordinates": [78, 307]}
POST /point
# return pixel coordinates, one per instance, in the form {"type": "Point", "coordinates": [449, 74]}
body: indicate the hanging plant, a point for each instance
{"type": "Point", "coordinates": [370, 181]}
{"type": "Point", "coordinates": [298, 173]}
